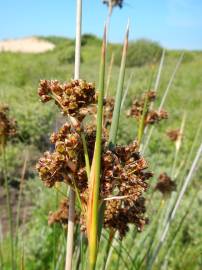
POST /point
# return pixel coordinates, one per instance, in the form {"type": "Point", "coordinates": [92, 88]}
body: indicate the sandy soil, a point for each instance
{"type": "Point", "coordinates": [26, 45]}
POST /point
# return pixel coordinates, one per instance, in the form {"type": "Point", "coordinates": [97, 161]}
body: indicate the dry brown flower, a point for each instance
{"type": "Point", "coordinates": [138, 104]}
{"type": "Point", "coordinates": [123, 170]}
{"type": "Point", "coordinates": [124, 180]}
{"type": "Point", "coordinates": [123, 175]}
{"type": "Point", "coordinates": [136, 109]}
{"type": "Point", "coordinates": [119, 215]}
{"type": "Point", "coordinates": [61, 215]}
{"type": "Point", "coordinates": [113, 3]}
{"type": "Point", "coordinates": [151, 116]}
{"type": "Point", "coordinates": [150, 95]}
{"type": "Point", "coordinates": [66, 163]}
{"type": "Point", "coordinates": [73, 98]}
{"type": "Point", "coordinates": [165, 184]}
{"type": "Point", "coordinates": [174, 134]}
{"type": "Point", "coordinates": [108, 110]}
{"type": "Point", "coordinates": [7, 125]}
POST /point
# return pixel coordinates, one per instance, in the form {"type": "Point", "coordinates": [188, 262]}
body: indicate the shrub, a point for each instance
{"type": "Point", "coordinates": [90, 39]}
{"type": "Point", "coordinates": [188, 57]}
{"type": "Point", "coordinates": [58, 40]}
{"type": "Point", "coordinates": [140, 52]}
{"type": "Point", "coordinates": [66, 54]}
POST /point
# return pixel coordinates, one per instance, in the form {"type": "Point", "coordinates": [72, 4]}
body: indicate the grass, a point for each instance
{"type": "Point", "coordinates": [18, 87]}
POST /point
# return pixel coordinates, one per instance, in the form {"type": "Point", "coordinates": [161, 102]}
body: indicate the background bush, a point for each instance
{"type": "Point", "coordinates": [140, 52]}
{"type": "Point", "coordinates": [89, 39]}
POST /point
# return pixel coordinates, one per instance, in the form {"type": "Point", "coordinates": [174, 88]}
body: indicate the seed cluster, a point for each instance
{"type": "Point", "coordinates": [108, 111]}
{"type": "Point", "coordinates": [151, 116]}
{"type": "Point", "coordinates": [7, 125]}
{"type": "Point", "coordinates": [119, 215]}
{"type": "Point", "coordinates": [123, 178]}
{"type": "Point", "coordinates": [66, 163]}
{"type": "Point", "coordinates": [114, 3]}
{"type": "Point", "coordinates": [165, 184]}
{"type": "Point", "coordinates": [174, 135]}
{"type": "Point", "coordinates": [61, 215]}
{"type": "Point", "coordinates": [73, 98]}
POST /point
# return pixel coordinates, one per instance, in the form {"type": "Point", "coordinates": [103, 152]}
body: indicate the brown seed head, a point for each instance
{"type": "Point", "coordinates": [7, 125]}
{"type": "Point", "coordinates": [153, 117]}
{"type": "Point", "coordinates": [73, 98]}
{"type": "Point", "coordinates": [165, 185]}
{"type": "Point", "coordinates": [174, 135]}
{"type": "Point", "coordinates": [113, 3]}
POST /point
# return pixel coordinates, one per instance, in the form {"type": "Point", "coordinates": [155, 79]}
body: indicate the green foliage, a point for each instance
{"type": "Point", "coordinates": [189, 56]}
{"type": "Point", "coordinates": [59, 40]}
{"type": "Point", "coordinates": [19, 78]}
{"type": "Point", "coordinates": [66, 54]}
{"type": "Point", "coordinates": [40, 237]}
{"type": "Point", "coordinates": [140, 53]}
{"type": "Point", "coordinates": [89, 39]}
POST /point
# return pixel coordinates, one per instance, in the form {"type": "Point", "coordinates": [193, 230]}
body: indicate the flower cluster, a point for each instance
{"type": "Point", "coordinates": [73, 98]}
{"type": "Point", "coordinates": [61, 215]}
{"type": "Point", "coordinates": [123, 177]}
{"type": "Point", "coordinates": [174, 135]}
{"type": "Point", "coordinates": [113, 3]}
{"type": "Point", "coordinates": [108, 110]}
{"type": "Point", "coordinates": [165, 184]}
{"type": "Point", "coordinates": [119, 215]}
{"type": "Point", "coordinates": [151, 116]}
{"type": "Point", "coordinates": [123, 182]}
{"type": "Point", "coordinates": [7, 125]}
{"type": "Point", "coordinates": [66, 163]}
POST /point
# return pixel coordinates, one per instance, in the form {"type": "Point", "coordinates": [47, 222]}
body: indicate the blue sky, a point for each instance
{"type": "Point", "coordinates": [173, 23]}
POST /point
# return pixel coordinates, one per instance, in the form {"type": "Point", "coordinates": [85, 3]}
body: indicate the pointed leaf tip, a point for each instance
{"type": "Point", "coordinates": [104, 40]}
{"type": "Point", "coordinates": [128, 25]}
{"type": "Point", "coordinates": [126, 37]}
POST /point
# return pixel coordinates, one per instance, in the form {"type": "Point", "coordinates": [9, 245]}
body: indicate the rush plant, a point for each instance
{"type": "Point", "coordinates": [106, 181]}
{"type": "Point", "coordinates": [7, 130]}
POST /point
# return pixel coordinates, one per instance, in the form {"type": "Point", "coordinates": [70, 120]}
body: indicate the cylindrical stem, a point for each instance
{"type": "Point", "coordinates": [70, 235]}
{"type": "Point", "coordinates": [9, 211]}
{"type": "Point", "coordinates": [78, 40]}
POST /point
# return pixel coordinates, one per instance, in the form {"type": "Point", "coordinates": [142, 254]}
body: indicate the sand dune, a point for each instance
{"type": "Point", "coordinates": [26, 45]}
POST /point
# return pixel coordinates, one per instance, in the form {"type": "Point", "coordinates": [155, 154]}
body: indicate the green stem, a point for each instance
{"type": "Point", "coordinates": [85, 148]}
{"type": "Point", "coordinates": [93, 206]}
{"type": "Point", "coordinates": [142, 121]}
{"type": "Point", "coordinates": [82, 248]}
{"type": "Point", "coordinates": [55, 233]}
{"type": "Point", "coordinates": [1, 253]}
{"type": "Point", "coordinates": [174, 164]}
{"type": "Point", "coordinates": [109, 242]}
{"type": "Point", "coordinates": [127, 260]}
{"type": "Point", "coordinates": [119, 94]}
{"type": "Point", "coordinates": [20, 200]}
{"type": "Point", "coordinates": [9, 210]}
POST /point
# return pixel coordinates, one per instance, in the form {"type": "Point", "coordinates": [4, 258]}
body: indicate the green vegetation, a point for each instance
{"type": "Point", "coordinates": [41, 244]}
{"type": "Point", "coordinates": [140, 53]}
